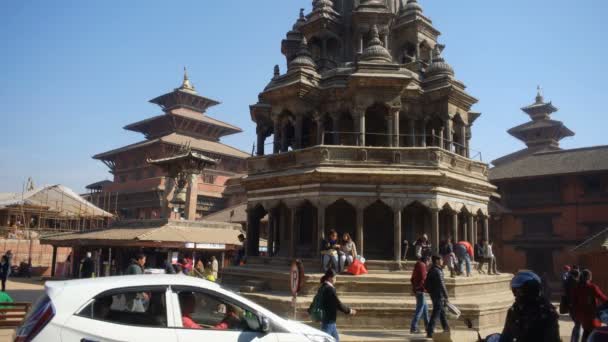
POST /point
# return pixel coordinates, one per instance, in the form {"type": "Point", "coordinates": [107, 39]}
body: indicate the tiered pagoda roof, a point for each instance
{"type": "Point", "coordinates": [184, 121]}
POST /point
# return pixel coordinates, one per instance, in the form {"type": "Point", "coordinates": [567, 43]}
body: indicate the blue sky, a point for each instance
{"type": "Point", "coordinates": [73, 73]}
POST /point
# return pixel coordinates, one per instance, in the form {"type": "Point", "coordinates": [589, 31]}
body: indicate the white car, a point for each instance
{"type": "Point", "coordinates": [149, 308]}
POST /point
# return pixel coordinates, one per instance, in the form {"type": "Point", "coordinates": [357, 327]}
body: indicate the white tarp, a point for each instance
{"type": "Point", "coordinates": [58, 198]}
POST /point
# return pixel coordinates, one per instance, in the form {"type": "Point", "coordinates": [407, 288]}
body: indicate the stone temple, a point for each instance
{"type": "Point", "coordinates": [367, 132]}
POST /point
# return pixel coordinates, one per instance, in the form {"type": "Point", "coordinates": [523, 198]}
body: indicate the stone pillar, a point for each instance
{"type": "Point", "coordinates": [471, 226]}
{"type": "Point", "coordinates": [412, 133]}
{"type": "Point", "coordinates": [449, 134]}
{"type": "Point", "coordinates": [271, 230]}
{"type": "Point", "coordinates": [297, 144]}
{"type": "Point", "coordinates": [396, 132]}
{"type": "Point", "coordinates": [359, 120]}
{"type": "Point", "coordinates": [252, 247]}
{"type": "Point", "coordinates": [465, 231]}
{"type": "Point", "coordinates": [335, 120]}
{"type": "Point", "coordinates": [463, 140]}
{"type": "Point", "coordinates": [390, 127]}
{"type": "Point", "coordinates": [359, 231]}
{"type": "Point", "coordinates": [284, 142]}
{"type": "Point", "coordinates": [320, 234]}
{"type": "Point", "coordinates": [320, 128]}
{"type": "Point", "coordinates": [277, 135]}
{"type": "Point", "coordinates": [397, 233]}
{"type": "Point", "coordinates": [455, 227]}
{"type": "Point", "coordinates": [435, 229]}
{"type": "Point", "coordinates": [261, 139]}
{"type": "Point", "coordinates": [423, 132]}
{"type": "Point", "coordinates": [293, 223]}
{"type": "Point", "coordinates": [486, 231]}
{"type": "Point", "coordinates": [440, 144]}
{"type": "Point", "coordinates": [191, 198]}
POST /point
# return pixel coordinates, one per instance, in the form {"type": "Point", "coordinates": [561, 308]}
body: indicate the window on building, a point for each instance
{"type": "Point", "coordinates": [209, 179]}
{"type": "Point", "coordinates": [136, 307]}
{"type": "Point", "coordinates": [595, 185]}
{"type": "Point", "coordinates": [529, 193]}
{"type": "Point", "coordinates": [537, 225]}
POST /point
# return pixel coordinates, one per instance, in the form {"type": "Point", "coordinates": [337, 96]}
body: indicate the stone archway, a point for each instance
{"type": "Point", "coordinates": [378, 231]}
{"type": "Point", "coordinates": [342, 217]}
{"type": "Point", "coordinates": [416, 221]}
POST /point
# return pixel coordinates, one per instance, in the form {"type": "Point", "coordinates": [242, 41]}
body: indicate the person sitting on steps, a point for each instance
{"type": "Point", "coordinates": [330, 250]}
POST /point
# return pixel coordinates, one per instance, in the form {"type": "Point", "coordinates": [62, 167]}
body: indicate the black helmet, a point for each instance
{"type": "Point", "coordinates": [523, 277]}
{"type": "Point", "coordinates": [526, 285]}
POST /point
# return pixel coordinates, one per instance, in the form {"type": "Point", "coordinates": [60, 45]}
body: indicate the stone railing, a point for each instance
{"type": "Point", "coordinates": [355, 156]}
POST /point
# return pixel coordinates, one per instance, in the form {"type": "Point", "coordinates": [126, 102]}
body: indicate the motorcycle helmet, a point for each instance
{"type": "Point", "coordinates": [526, 285]}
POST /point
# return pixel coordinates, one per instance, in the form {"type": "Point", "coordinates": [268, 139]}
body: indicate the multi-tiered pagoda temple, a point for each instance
{"type": "Point", "coordinates": [370, 132]}
{"type": "Point", "coordinates": [141, 190]}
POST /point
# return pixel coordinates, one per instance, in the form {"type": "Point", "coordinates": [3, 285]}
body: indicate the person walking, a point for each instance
{"type": "Point", "coordinates": [137, 265]}
{"type": "Point", "coordinates": [87, 266]}
{"type": "Point", "coordinates": [330, 304]}
{"type": "Point", "coordinates": [586, 297]}
{"type": "Point", "coordinates": [5, 269]}
{"type": "Point", "coordinates": [449, 258]}
{"type": "Point", "coordinates": [435, 286]}
{"type": "Point", "coordinates": [570, 284]}
{"type": "Point", "coordinates": [532, 317]}
{"type": "Point", "coordinates": [464, 253]}
{"type": "Point", "coordinates": [422, 309]}
{"type": "Point", "coordinates": [215, 267]}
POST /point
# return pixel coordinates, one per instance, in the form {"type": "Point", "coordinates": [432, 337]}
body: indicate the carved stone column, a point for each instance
{"type": "Point", "coordinates": [359, 118]}
{"type": "Point", "coordinates": [261, 132]}
{"type": "Point", "coordinates": [463, 140]}
{"type": "Point", "coordinates": [397, 233]}
{"type": "Point", "coordinates": [455, 227]}
{"type": "Point", "coordinates": [412, 133]}
{"type": "Point", "coordinates": [471, 226]}
{"type": "Point", "coordinates": [318, 118]}
{"type": "Point", "coordinates": [390, 127]}
{"type": "Point", "coordinates": [449, 134]}
{"type": "Point", "coordinates": [359, 230]}
{"type": "Point", "coordinates": [486, 228]}
{"type": "Point", "coordinates": [277, 135]}
{"type": "Point", "coordinates": [396, 140]}
{"type": "Point", "coordinates": [435, 229]}
{"type": "Point", "coordinates": [252, 247]}
{"type": "Point", "coordinates": [320, 234]}
{"type": "Point", "coordinates": [423, 132]}
{"type": "Point", "coordinates": [441, 133]}
{"type": "Point", "coordinates": [335, 120]}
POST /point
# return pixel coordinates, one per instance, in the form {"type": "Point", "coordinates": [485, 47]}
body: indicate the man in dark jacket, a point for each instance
{"type": "Point", "coordinates": [137, 265]}
{"type": "Point", "coordinates": [532, 317]}
{"type": "Point", "coordinates": [439, 296]}
{"type": "Point", "coordinates": [87, 268]}
{"type": "Point", "coordinates": [331, 304]}
{"type": "Point", "coordinates": [418, 279]}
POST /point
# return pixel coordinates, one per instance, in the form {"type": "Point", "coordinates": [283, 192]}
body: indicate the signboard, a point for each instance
{"type": "Point", "coordinates": [210, 246]}
{"type": "Point", "coordinates": [296, 273]}
{"type": "Point", "coordinates": [189, 244]}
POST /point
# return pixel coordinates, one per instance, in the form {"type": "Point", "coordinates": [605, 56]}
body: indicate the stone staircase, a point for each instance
{"type": "Point", "coordinates": [382, 298]}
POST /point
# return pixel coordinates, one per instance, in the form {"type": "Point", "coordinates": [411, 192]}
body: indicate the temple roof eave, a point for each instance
{"type": "Point", "coordinates": [168, 101]}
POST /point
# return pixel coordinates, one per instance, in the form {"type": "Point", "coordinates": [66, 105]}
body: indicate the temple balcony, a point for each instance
{"type": "Point", "coordinates": [438, 154]}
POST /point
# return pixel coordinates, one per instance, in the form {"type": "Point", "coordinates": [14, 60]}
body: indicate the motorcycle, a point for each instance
{"type": "Point", "coordinates": [489, 338]}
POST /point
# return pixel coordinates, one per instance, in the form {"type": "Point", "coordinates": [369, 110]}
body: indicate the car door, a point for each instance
{"type": "Point", "coordinates": [121, 315]}
{"type": "Point", "coordinates": [205, 315]}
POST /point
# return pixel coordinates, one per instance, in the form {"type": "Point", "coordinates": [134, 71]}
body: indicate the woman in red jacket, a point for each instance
{"type": "Point", "coordinates": [585, 299]}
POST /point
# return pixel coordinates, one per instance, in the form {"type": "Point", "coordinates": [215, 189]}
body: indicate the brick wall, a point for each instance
{"type": "Point", "coordinates": [41, 254]}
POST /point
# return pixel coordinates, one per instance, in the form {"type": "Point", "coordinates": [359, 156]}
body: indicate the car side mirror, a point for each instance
{"type": "Point", "coordinates": [264, 325]}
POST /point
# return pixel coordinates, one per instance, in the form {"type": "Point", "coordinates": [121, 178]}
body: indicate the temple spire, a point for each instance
{"type": "Point", "coordinates": [539, 95]}
{"type": "Point", "coordinates": [186, 85]}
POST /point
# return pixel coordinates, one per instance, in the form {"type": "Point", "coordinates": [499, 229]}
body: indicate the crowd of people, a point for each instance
{"type": "Point", "coordinates": [582, 299]}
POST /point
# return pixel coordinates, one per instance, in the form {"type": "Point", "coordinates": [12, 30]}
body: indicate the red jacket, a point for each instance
{"type": "Point", "coordinates": [419, 277]}
{"type": "Point", "coordinates": [585, 300]}
{"type": "Point", "coordinates": [468, 246]}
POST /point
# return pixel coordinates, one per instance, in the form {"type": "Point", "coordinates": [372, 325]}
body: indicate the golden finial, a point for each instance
{"type": "Point", "coordinates": [186, 85]}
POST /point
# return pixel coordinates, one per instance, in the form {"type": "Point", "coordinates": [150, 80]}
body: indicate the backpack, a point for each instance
{"type": "Point", "coordinates": [315, 310]}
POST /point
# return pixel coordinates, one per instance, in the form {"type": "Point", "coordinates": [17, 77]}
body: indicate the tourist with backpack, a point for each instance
{"type": "Point", "coordinates": [325, 305]}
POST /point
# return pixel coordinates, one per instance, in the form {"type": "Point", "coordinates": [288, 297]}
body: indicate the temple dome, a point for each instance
{"type": "Point", "coordinates": [439, 65]}
{"type": "Point", "coordinates": [375, 51]}
{"type": "Point", "coordinates": [303, 58]}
